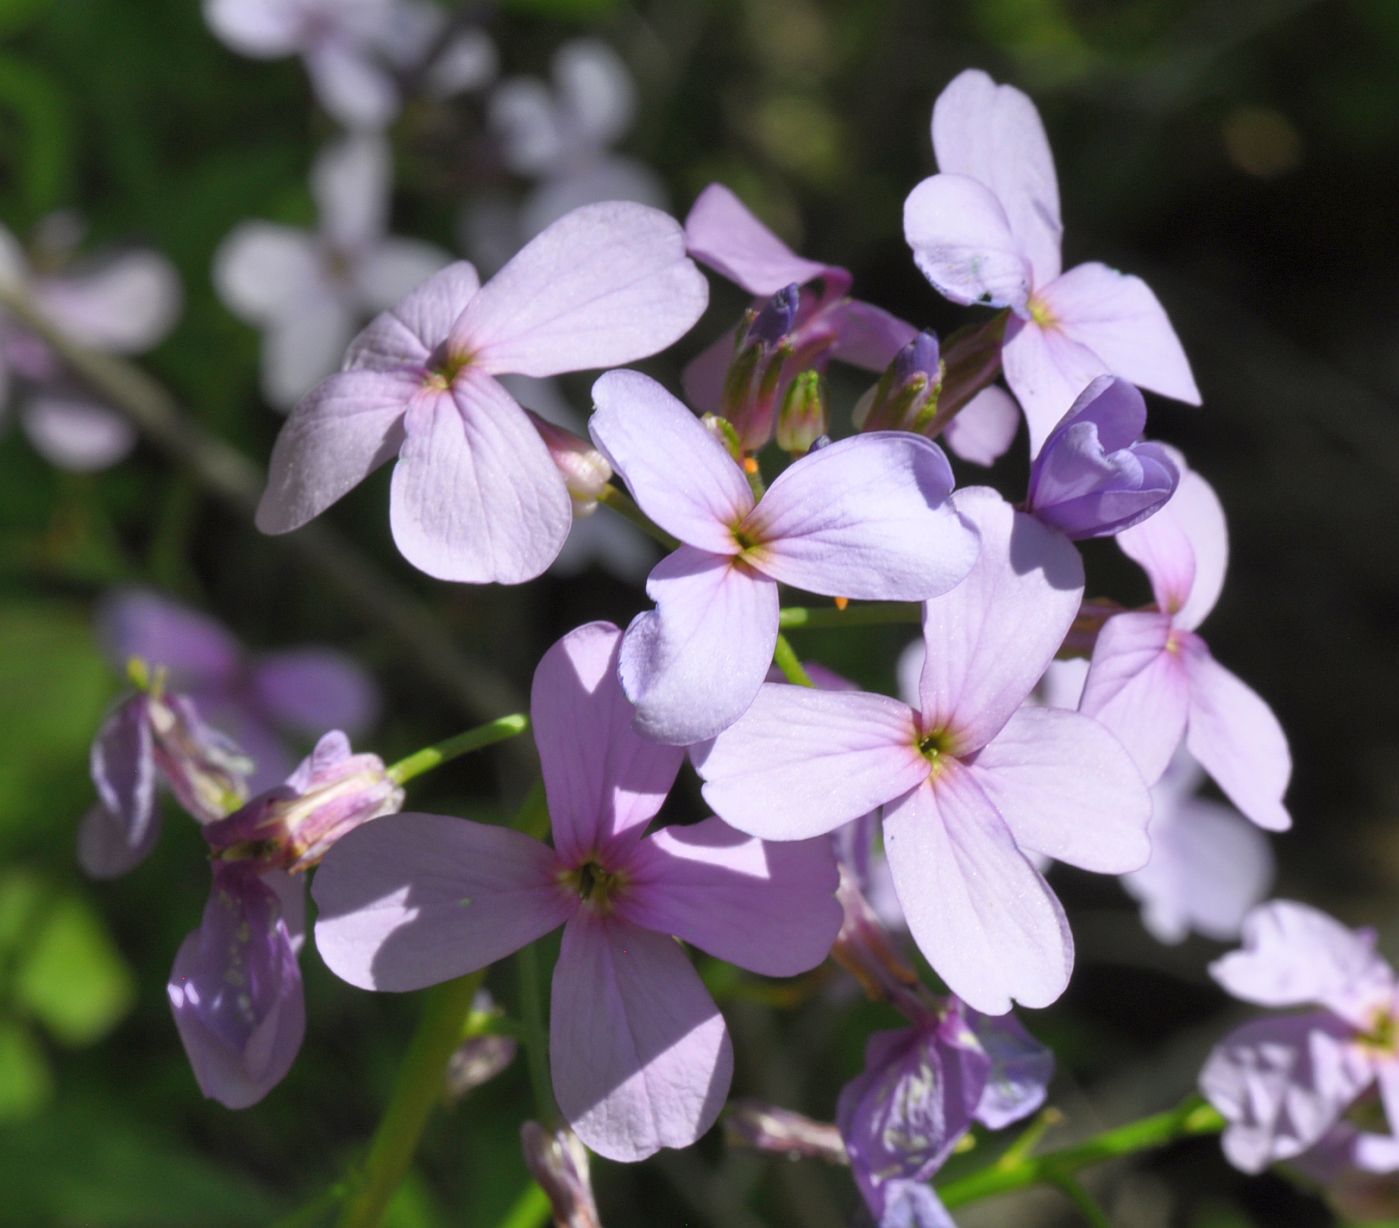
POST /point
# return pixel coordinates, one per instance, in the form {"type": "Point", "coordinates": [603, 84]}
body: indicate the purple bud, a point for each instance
{"type": "Point", "coordinates": [559, 1162]}
{"type": "Point", "coordinates": [775, 319]}
{"type": "Point", "coordinates": [1092, 478]}
{"type": "Point", "coordinates": [294, 825]}
{"type": "Point", "coordinates": [585, 470]}
{"type": "Point", "coordinates": [906, 397]}
{"type": "Point", "coordinates": [805, 413]}
{"type": "Point", "coordinates": [778, 1131]}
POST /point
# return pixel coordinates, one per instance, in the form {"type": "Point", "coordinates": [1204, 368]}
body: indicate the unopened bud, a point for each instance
{"type": "Point", "coordinates": [479, 1058]}
{"type": "Point", "coordinates": [971, 360]}
{"type": "Point", "coordinates": [805, 413]}
{"type": "Point", "coordinates": [865, 949]}
{"type": "Point", "coordinates": [906, 397]}
{"type": "Point", "coordinates": [585, 470]}
{"type": "Point", "coordinates": [293, 826]}
{"type": "Point", "coordinates": [775, 318]}
{"type": "Point", "coordinates": [777, 1131]}
{"type": "Point", "coordinates": [723, 430]}
{"type": "Point", "coordinates": [754, 379]}
{"type": "Point", "coordinates": [559, 1162]}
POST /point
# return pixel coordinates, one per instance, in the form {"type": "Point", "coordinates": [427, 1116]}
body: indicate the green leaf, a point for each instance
{"type": "Point", "coordinates": [25, 1083]}
{"type": "Point", "coordinates": [43, 161]}
{"type": "Point", "coordinates": [15, 15]}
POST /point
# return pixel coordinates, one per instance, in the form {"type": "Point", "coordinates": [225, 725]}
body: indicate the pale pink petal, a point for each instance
{"type": "Point", "coordinates": [1184, 548]}
{"type": "Point", "coordinates": [1067, 789]}
{"type": "Point", "coordinates": [693, 665]}
{"type": "Point", "coordinates": [304, 345]}
{"type": "Point", "coordinates": [312, 690]}
{"type": "Point", "coordinates": [350, 181]}
{"type": "Point", "coordinates": [645, 432]}
{"type": "Point", "coordinates": [1118, 317]}
{"type": "Point", "coordinates": [595, 91]}
{"type": "Point", "coordinates": [72, 431]}
{"type": "Point", "coordinates": [866, 336]}
{"type": "Point", "coordinates": [765, 906]}
{"type": "Point", "coordinates": [261, 270]}
{"type": "Point", "coordinates": [604, 781]}
{"type": "Point", "coordinates": [722, 233]}
{"type": "Point", "coordinates": [963, 244]}
{"type": "Point", "coordinates": [393, 268]}
{"type": "Point", "coordinates": [345, 429]}
{"type": "Point", "coordinates": [475, 495]}
{"type": "Point", "coordinates": [987, 921]}
{"type": "Point", "coordinates": [1046, 369]}
{"type": "Point", "coordinates": [260, 28]}
{"type": "Point", "coordinates": [413, 899]}
{"type": "Point", "coordinates": [1137, 687]}
{"type": "Point", "coordinates": [124, 304]}
{"type": "Point", "coordinates": [1062, 684]}
{"type": "Point", "coordinates": [867, 517]}
{"type": "Point", "coordinates": [990, 639]}
{"type": "Point", "coordinates": [608, 284]}
{"type": "Point", "coordinates": [984, 428]}
{"type": "Point", "coordinates": [640, 1055]}
{"type": "Point", "coordinates": [527, 125]}
{"type": "Point", "coordinates": [703, 377]}
{"type": "Point", "coordinates": [606, 178]}
{"type": "Point", "coordinates": [993, 134]}
{"type": "Point", "coordinates": [1237, 739]}
{"type": "Point", "coordinates": [355, 90]}
{"type": "Point", "coordinates": [801, 762]}
{"type": "Point", "coordinates": [407, 334]}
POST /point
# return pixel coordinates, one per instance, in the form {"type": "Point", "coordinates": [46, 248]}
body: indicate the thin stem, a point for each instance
{"type": "Point", "coordinates": [786, 659]}
{"type": "Point", "coordinates": [417, 1091]}
{"type": "Point", "coordinates": [876, 614]}
{"type": "Point", "coordinates": [473, 739]}
{"type": "Point", "coordinates": [535, 1035]}
{"type": "Point", "coordinates": [1083, 1200]}
{"type": "Point", "coordinates": [1190, 1118]}
{"type": "Point", "coordinates": [619, 501]}
{"type": "Point", "coordinates": [531, 1209]}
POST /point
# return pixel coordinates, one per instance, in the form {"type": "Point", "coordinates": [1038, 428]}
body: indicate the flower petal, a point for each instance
{"type": "Point", "coordinates": [195, 651]}
{"type": "Point", "coordinates": [640, 1054]}
{"type": "Point", "coordinates": [1068, 789]}
{"type": "Point", "coordinates": [1138, 688]}
{"type": "Point", "coordinates": [693, 665]}
{"type": "Point", "coordinates": [123, 771]}
{"type": "Point", "coordinates": [993, 134]}
{"type": "Point", "coordinates": [767, 907]}
{"type": "Point", "coordinates": [962, 242]}
{"type": "Point", "coordinates": [350, 181]}
{"type": "Point", "coordinates": [982, 914]}
{"type": "Point", "coordinates": [990, 639]}
{"type": "Point", "coordinates": [345, 429]}
{"type": "Point", "coordinates": [352, 87]}
{"type": "Point", "coordinates": [801, 762]}
{"type": "Point", "coordinates": [475, 495]}
{"type": "Point", "coordinates": [867, 517]}
{"type": "Point", "coordinates": [124, 304]}
{"type": "Point", "coordinates": [984, 428]}
{"type": "Point", "coordinates": [607, 284]}
{"type": "Point", "coordinates": [645, 432]}
{"type": "Point", "coordinates": [394, 268]}
{"type": "Point", "coordinates": [1047, 370]}
{"type": "Point", "coordinates": [1237, 739]}
{"type": "Point", "coordinates": [262, 269]}
{"type": "Point", "coordinates": [406, 335]}
{"type": "Point", "coordinates": [866, 336]}
{"type": "Point", "coordinates": [722, 232]}
{"type": "Point", "coordinates": [72, 431]}
{"type": "Point", "coordinates": [316, 689]}
{"type": "Point", "coordinates": [1021, 1069]}
{"type": "Point", "coordinates": [604, 781]}
{"type": "Point", "coordinates": [413, 899]}
{"type": "Point", "coordinates": [303, 345]}
{"type": "Point", "coordinates": [106, 848]}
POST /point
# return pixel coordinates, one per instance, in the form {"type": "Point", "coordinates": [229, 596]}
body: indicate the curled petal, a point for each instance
{"type": "Point", "coordinates": [122, 828]}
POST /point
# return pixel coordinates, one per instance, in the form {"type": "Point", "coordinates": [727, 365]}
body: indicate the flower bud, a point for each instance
{"type": "Point", "coordinates": [559, 1162]}
{"type": "Point", "coordinates": [293, 826]}
{"type": "Point", "coordinates": [585, 470]}
{"type": "Point", "coordinates": [723, 430]}
{"type": "Point", "coordinates": [865, 949]}
{"type": "Point", "coordinates": [805, 413]}
{"type": "Point", "coordinates": [755, 376]}
{"type": "Point", "coordinates": [906, 397]}
{"type": "Point", "coordinates": [207, 773]}
{"type": "Point", "coordinates": [482, 1055]}
{"type": "Point", "coordinates": [778, 1131]}
{"type": "Point", "coordinates": [774, 320]}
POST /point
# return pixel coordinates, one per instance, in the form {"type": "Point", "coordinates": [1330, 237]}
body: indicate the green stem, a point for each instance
{"type": "Point", "coordinates": [417, 1091]}
{"type": "Point", "coordinates": [619, 501]}
{"type": "Point", "coordinates": [473, 739]}
{"type": "Point", "coordinates": [874, 615]}
{"type": "Point", "coordinates": [531, 1209]}
{"type": "Point", "coordinates": [1084, 1201]}
{"type": "Point", "coordinates": [1190, 1118]}
{"type": "Point", "coordinates": [535, 1035]}
{"type": "Point", "coordinates": [786, 659]}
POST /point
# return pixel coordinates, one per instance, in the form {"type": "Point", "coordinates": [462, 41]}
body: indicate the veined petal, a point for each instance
{"type": "Point", "coordinates": [988, 922]}
{"type": "Point", "coordinates": [261, 269]}
{"type": "Point", "coordinates": [722, 232]}
{"type": "Point", "coordinates": [1068, 789]}
{"type": "Point", "coordinates": [345, 429]}
{"type": "Point", "coordinates": [993, 134]}
{"type": "Point", "coordinates": [1137, 687]}
{"type": "Point", "coordinates": [195, 651]}
{"type": "Point", "coordinates": [1237, 739]}
{"type": "Point", "coordinates": [1046, 369]}
{"type": "Point", "coordinates": [801, 762]}
{"type": "Point", "coordinates": [640, 1055]}
{"type": "Point", "coordinates": [693, 665]}
{"type": "Point", "coordinates": [867, 517]}
{"type": "Point", "coordinates": [962, 242]}
{"type": "Point", "coordinates": [414, 899]}
{"type": "Point", "coordinates": [1118, 317]}
{"type": "Point", "coordinates": [475, 495]}
{"type": "Point", "coordinates": [604, 781]}
{"type": "Point", "coordinates": [605, 285]}
{"type": "Point", "coordinates": [767, 907]}
{"type": "Point", "coordinates": [315, 689]}
{"type": "Point", "coordinates": [682, 477]}
{"type": "Point", "coordinates": [406, 335]}
{"type": "Point", "coordinates": [989, 639]}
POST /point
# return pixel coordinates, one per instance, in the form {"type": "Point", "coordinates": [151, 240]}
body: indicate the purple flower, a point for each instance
{"type": "Point", "coordinates": [154, 736]}
{"type": "Point", "coordinates": [1283, 1082]}
{"type": "Point", "coordinates": [640, 1055]}
{"type": "Point", "coordinates": [987, 230]}
{"type": "Point", "coordinates": [119, 304]}
{"type": "Point", "coordinates": [970, 781]}
{"type": "Point", "coordinates": [866, 517]}
{"type": "Point", "coordinates": [1152, 678]}
{"type": "Point", "coordinates": [475, 496]}
{"type": "Point", "coordinates": [1092, 477]}
{"type": "Point", "coordinates": [310, 292]}
{"type": "Point", "coordinates": [252, 697]}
